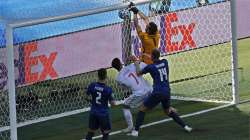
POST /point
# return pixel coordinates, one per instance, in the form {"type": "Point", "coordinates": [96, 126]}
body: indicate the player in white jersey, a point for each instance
{"type": "Point", "coordinates": [139, 86]}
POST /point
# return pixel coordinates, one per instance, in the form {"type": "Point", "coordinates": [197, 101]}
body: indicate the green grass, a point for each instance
{"type": "Point", "coordinates": [230, 123]}
{"type": "Point", "coordinates": [209, 126]}
{"type": "Point", "coordinates": [243, 58]}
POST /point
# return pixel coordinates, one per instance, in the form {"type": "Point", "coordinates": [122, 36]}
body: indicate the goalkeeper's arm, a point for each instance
{"type": "Point", "coordinates": [144, 17]}
{"type": "Point", "coordinates": [137, 26]}
{"type": "Point", "coordinates": [136, 11]}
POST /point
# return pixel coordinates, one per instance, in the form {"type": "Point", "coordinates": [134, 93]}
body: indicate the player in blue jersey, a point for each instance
{"type": "Point", "coordinates": [100, 95]}
{"type": "Point", "coordinates": [159, 71]}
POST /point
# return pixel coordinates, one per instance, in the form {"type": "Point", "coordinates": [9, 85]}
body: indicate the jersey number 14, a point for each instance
{"type": "Point", "coordinates": [163, 74]}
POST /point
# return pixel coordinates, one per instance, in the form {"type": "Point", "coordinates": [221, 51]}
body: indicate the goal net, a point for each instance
{"type": "Point", "coordinates": [196, 43]}
{"type": "Point", "coordinates": [55, 61]}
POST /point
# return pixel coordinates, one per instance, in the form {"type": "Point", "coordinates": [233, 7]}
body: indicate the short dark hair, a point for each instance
{"type": "Point", "coordinates": [102, 74]}
{"type": "Point", "coordinates": [152, 28]}
{"type": "Point", "coordinates": [155, 54]}
{"type": "Point", "coordinates": [116, 63]}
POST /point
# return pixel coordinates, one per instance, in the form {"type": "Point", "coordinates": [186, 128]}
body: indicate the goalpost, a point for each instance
{"type": "Point", "coordinates": [48, 73]}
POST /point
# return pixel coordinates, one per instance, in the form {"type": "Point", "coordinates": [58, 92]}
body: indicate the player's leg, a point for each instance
{"type": "Point", "coordinates": [171, 112]}
{"type": "Point", "coordinates": [133, 101]}
{"type": "Point", "coordinates": [127, 113]}
{"type": "Point", "coordinates": [105, 125]}
{"type": "Point", "coordinates": [150, 102]}
{"type": "Point", "coordinates": [93, 126]}
{"type": "Point", "coordinates": [90, 134]}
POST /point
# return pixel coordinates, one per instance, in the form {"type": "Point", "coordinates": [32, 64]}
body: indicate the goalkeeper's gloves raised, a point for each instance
{"type": "Point", "coordinates": [132, 8]}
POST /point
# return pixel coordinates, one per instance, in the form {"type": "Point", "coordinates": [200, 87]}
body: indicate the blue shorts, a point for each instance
{"type": "Point", "coordinates": [155, 98]}
{"type": "Point", "coordinates": [97, 121]}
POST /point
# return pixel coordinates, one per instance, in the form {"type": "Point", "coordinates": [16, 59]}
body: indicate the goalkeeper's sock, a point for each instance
{"type": "Point", "coordinates": [105, 136]}
{"type": "Point", "coordinates": [89, 136]}
{"type": "Point", "coordinates": [139, 120]}
{"type": "Point", "coordinates": [177, 119]}
{"type": "Point", "coordinates": [128, 117]}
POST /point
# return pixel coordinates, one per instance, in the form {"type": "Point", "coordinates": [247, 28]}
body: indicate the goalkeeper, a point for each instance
{"type": "Point", "coordinates": [150, 38]}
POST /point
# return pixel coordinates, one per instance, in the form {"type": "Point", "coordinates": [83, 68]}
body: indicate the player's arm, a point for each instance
{"type": "Point", "coordinates": [137, 64]}
{"type": "Point", "coordinates": [140, 71]}
{"type": "Point", "coordinates": [167, 69]}
{"type": "Point", "coordinates": [111, 99]}
{"type": "Point", "coordinates": [113, 103]}
{"type": "Point", "coordinates": [136, 11]}
{"type": "Point", "coordinates": [88, 91]}
{"type": "Point", "coordinates": [137, 26]}
{"type": "Point", "coordinates": [144, 17]}
{"type": "Point", "coordinates": [138, 68]}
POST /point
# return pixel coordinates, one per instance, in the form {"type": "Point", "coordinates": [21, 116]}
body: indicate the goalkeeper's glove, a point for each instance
{"type": "Point", "coordinates": [133, 8]}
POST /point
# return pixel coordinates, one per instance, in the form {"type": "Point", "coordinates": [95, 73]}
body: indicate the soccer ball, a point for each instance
{"type": "Point", "coordinates": [123, 14]}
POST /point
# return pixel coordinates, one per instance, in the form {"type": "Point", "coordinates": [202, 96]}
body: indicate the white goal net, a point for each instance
{"type": "Point", "coordinates": [55, 61]}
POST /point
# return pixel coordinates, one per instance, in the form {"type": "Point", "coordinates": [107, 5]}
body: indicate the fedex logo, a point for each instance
{"type": "Point", "coordinates": [27, 66]}
{"type": "Point", "coordinates": [174, 36]}
{"type": "Point", "coordinates": [169, 29]}
{"type": "Point", "coordinates": [30, 61]}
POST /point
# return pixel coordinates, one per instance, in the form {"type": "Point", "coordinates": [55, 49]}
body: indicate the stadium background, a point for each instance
{"type": "Point", "coordinates": [9, 11]}
{"type": "Point", "coordinates": [19, 10]}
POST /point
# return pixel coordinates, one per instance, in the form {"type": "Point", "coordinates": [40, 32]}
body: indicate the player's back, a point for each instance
{"type": "Point", "coordinates": [101, 95]}
{"type": "Point", "coordinates": [159, 71]}
{"type": "Point", "coordinates": [128, 77]}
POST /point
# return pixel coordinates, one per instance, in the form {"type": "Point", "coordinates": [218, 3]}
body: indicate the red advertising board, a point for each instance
{"type": "Point", "coordinates": [63, 56]}
{"type": "Point", "coordinates": [85, 51]}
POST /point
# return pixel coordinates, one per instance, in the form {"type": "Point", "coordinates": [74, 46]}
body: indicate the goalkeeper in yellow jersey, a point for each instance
{"type": "Point", "coordinates": [150, 38]}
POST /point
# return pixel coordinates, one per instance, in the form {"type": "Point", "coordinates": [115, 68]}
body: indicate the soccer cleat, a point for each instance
{"type": "Point", "coordinates": [127, 130]}
{"type": "Point", "coordinates": [134, 133]}
{"type": "Point", "coordinates": [188, 129]}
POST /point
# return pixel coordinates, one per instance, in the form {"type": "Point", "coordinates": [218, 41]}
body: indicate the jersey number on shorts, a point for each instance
{"type": "Point", "coordinates": [163, 73]}
{"type": "Point", "coordinates": [133, 75]}
{"type": "Point", "coordinates": [98, 98]}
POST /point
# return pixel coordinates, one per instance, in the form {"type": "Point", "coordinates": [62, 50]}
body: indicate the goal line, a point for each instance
{"type": "Point", "coordinates": [170, 119]}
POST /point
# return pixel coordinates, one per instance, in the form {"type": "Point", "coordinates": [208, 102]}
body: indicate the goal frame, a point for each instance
{"type": "Point", "coordinates": [10, 58]}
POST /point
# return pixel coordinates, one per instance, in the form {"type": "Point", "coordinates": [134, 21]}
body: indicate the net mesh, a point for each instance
{"type": "Point", "coordinates": [4, 102]}
{"type": "Point", "coordinates": [5, 135]}
{"type": "Point", "coordinates": [55, 62]}
{"type": "Point", "coordinates": [196, 42]}
{"type": "Point", "coordinates": [53, 72]}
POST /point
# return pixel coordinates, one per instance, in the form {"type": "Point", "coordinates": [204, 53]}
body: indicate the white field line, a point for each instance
{"type": "Point", "coordinates": [169, 119]}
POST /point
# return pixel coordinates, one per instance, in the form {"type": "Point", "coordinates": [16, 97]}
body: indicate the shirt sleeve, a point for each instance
{"type": "Point", "coordinates": [142, 65]}
{"type": "Point", "coordinates": [89, 90]}
{"type": "Point", "coordinates": [167, 68]}
{"type": "Point", "coordinates": [111, 98]}
{"type": "Point", "coordinates": [146, 69]}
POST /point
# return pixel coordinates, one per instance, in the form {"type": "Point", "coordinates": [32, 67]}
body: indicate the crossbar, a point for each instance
{"type": "Point", "coordinates": [77, 14]}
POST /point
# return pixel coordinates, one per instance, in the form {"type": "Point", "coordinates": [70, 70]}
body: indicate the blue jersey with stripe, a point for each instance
{"type": "Point", "coordinates": [159, 71]}
{"type": "Point", "coordinates": [101, 95]}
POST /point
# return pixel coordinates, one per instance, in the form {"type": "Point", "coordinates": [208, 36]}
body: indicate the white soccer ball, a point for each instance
{"type": "Point", "coordinates": [124, 14]}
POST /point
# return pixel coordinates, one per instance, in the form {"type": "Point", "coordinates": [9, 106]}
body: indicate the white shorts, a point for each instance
{"type": "Point", "coordinates": [134, 101]}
